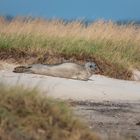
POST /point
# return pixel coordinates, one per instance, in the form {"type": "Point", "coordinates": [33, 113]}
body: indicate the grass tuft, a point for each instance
{"type": "Point", "coordinates": [26, 115]}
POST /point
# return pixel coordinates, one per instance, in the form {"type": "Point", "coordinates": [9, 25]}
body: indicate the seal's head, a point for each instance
{"type": "Point", "coordinates": [92, 67]}
{"type": "Point", "coordinates": [22, 69]}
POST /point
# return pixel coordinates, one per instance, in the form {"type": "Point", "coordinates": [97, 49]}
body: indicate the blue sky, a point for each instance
{"type": "Point", "coordinates": [71, 9]}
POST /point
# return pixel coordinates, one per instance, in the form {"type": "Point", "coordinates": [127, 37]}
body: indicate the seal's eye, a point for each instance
{"type": "Point", "coordinates": [93, 67]}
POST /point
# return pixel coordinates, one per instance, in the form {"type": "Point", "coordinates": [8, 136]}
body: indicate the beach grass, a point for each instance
{"type": "Point", "coordinates": [102, 41]}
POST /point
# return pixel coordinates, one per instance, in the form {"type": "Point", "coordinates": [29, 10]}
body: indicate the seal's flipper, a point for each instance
{"type": "Point", "coordinates": [21, 69]}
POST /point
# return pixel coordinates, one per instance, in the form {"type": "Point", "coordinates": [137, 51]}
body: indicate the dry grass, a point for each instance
{"type": "Point", "coordinates": [25, 115]}
{"type": "Point", "coordinates": [116, 45]}
{"type": "Point", "coordinates": [99, 30]}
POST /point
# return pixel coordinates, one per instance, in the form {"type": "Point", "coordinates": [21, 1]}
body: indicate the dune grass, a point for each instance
{"type": "Point", "coordinates": [102, 41]}
{"type": "Point", "coordinates": [25, 115]}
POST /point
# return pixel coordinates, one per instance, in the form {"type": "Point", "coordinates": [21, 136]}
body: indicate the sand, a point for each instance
{"type": "Point", "coordinates": [98, 88]}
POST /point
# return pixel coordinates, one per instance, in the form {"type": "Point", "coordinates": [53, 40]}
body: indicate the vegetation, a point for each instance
{"type": "Point", "coordinates": [107, 43]}
{"type": "Point", "coordinates": [25, 115]}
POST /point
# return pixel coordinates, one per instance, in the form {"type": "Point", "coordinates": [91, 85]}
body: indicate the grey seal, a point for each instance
{"type": "Point", "coordinates": [64, 70]}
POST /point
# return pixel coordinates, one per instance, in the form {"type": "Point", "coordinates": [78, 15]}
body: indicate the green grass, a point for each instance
{"type": "Point", "coordinates": [25, 115]}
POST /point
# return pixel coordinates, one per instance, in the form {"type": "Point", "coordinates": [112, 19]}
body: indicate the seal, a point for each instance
{"type": "Point", "coordinates": [64, 70]}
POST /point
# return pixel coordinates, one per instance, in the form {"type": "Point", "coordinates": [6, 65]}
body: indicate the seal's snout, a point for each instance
{"type": "Point", "coordinates": [93, 68]}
